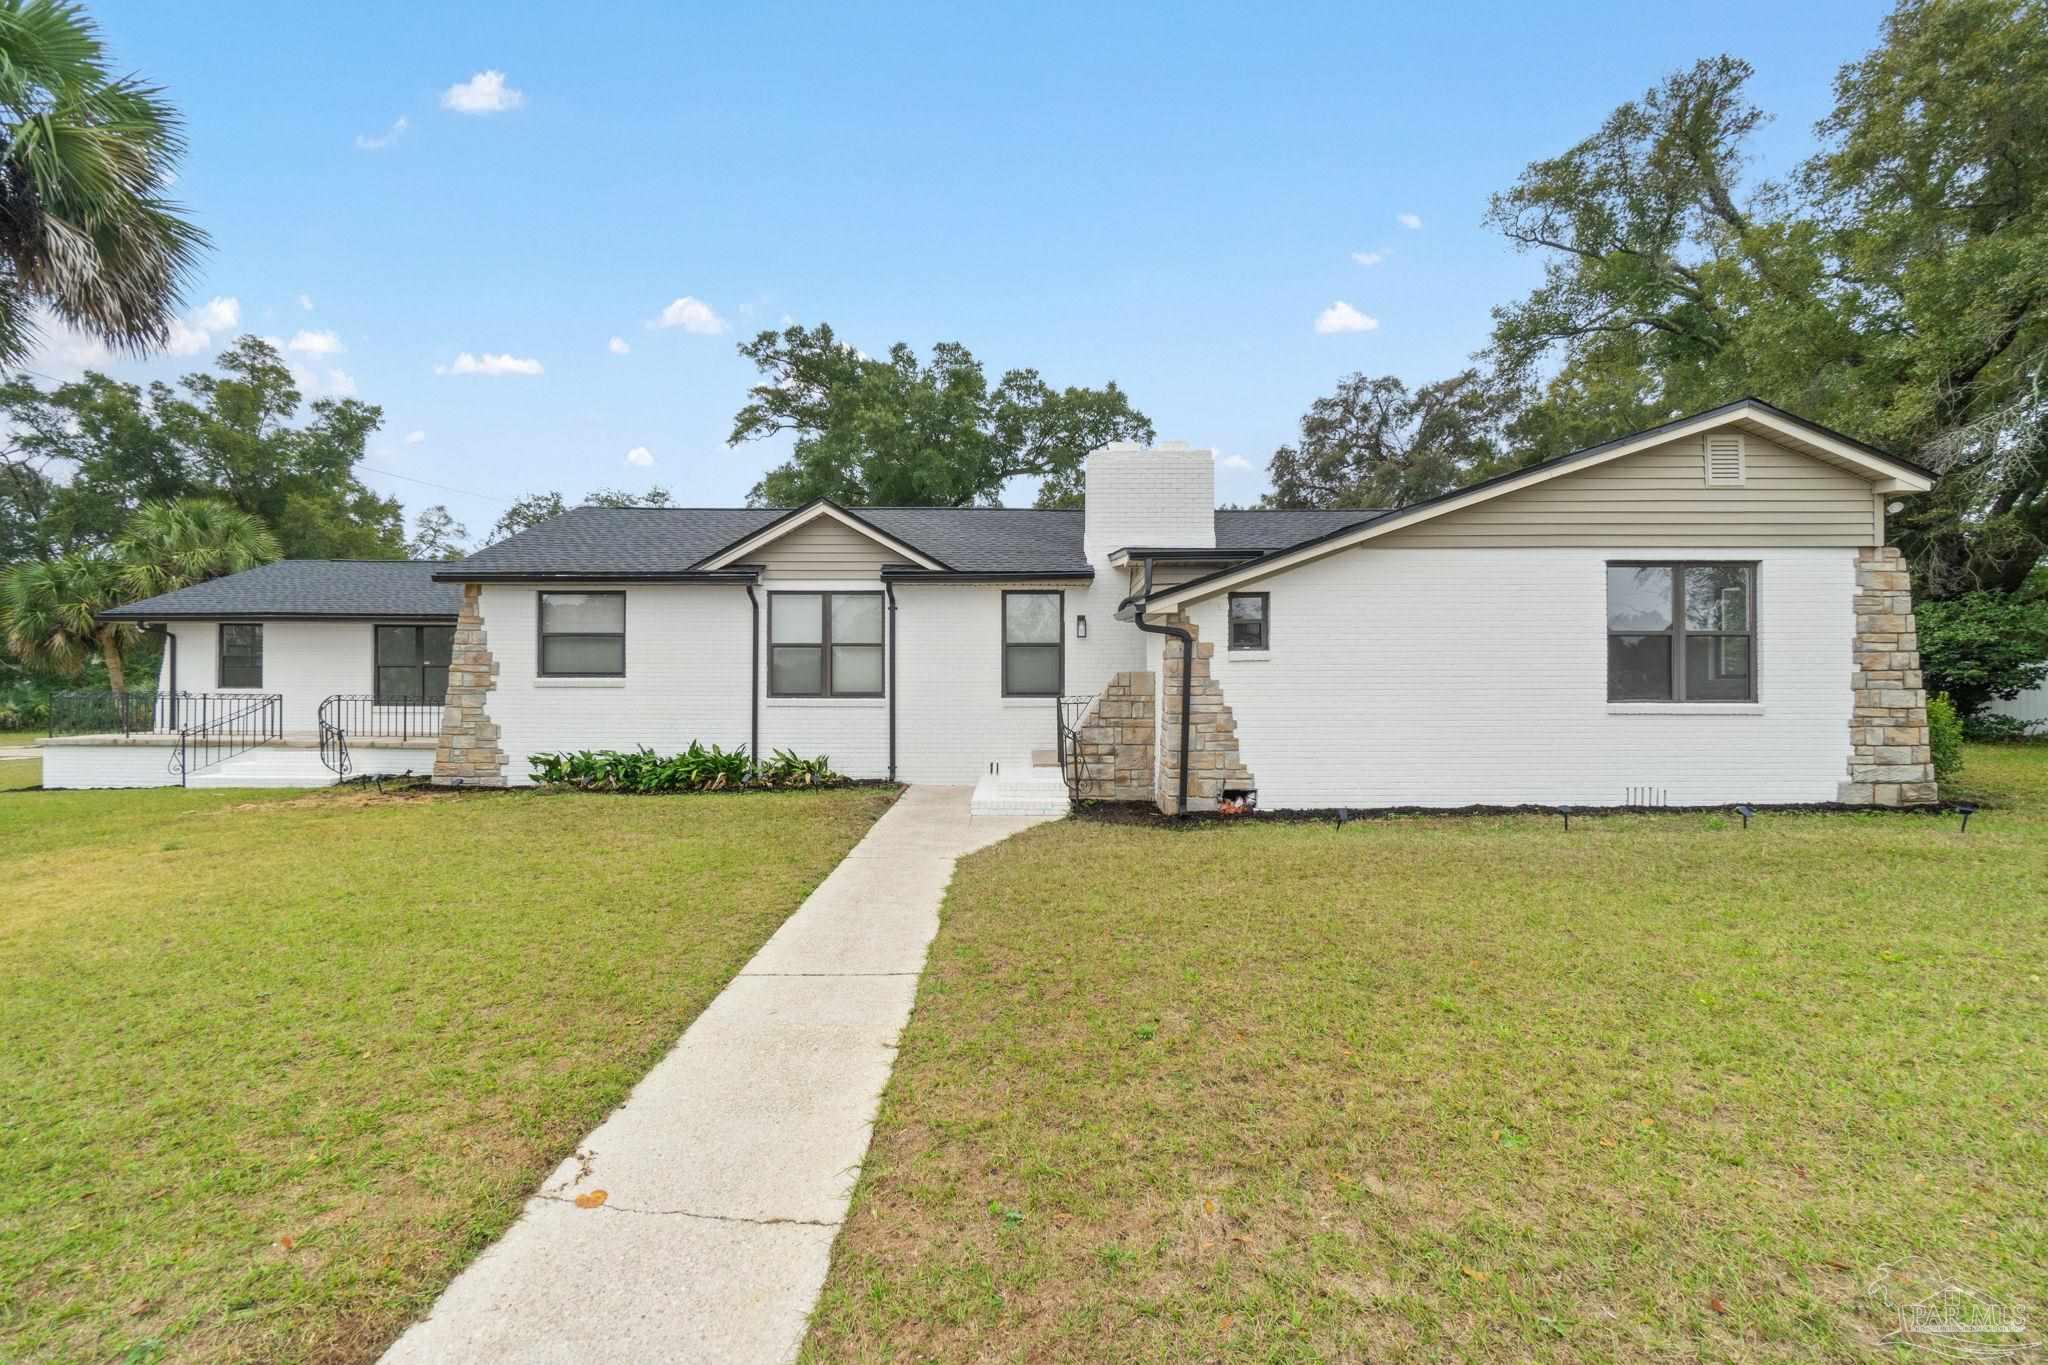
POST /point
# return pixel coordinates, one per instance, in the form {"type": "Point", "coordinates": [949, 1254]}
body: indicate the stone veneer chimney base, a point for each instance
{"type": "Point", "coordinates": [1890, 762]}
{"type": "Point", "coordinates": [468, 754]}
{"type": "Point", "coordinates": [1214, 765]}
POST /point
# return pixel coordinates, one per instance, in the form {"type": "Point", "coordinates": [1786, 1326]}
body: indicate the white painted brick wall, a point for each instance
{"type": "Point", "coordinates": [107, 765]}
{"type": "Point", "coordinates": [1159, 496]}
{"type": "Point", "coordinates": [686, 675]}
{"type": "Point", "coordinates": [305, 661]}
{"type": "Point", "coordinates": [1455, 677]}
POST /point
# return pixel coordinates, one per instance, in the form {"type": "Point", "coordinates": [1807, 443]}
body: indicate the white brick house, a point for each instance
{"type": "Point", "coordinates": [1704, 613]}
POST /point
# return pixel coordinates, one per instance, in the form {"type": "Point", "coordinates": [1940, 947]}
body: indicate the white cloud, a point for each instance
{"type": "Point", "coordinates": [315, 343]}
{"type": "Point", "coordinates": [330, 383]}
{"type": "Point", "coordinates": [64, 349]}
{"type": "Point", "coordinates": [640, 455]}
{"type": "Point", "coordinates": [1368, 257]}
{"type": "Point", "coordinates": [692, 315]}
{"type": "Point", "coordinates": [194, 332]}
{"type": "Point", "coordinates": [1411, 221]}
{"type": "Point", "coordinates": [377, 142]}
{"type": "Point", "coordinates": [483, 93]}
{"type": "Point", "coordinates": [413, 438]}
{"type": "Point", "coordinates": [617, 346]}
{"type": "Point", "coordinates": [490, 362]}
{"type": "Point", "coordinates": [1342, 317]}
{"type": "Point", "coordinates": [306, 302]}
{"type": "Point", "coordinates": [1236, 462]}
{"type": "Point", "coordinates": [340, 383]}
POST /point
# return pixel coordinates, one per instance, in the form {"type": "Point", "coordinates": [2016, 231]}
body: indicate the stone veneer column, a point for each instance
{"type": "Point", "coordinates": [468, 754]}
{"type": "Point", "coordinates": [1213, 762]}
{"type": "Point", "coordinates": [1890, 763]}
{"type": "Point", "coordinates": [1114, 744]}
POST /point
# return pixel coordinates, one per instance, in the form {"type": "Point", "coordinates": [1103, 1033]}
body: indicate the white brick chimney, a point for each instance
{"type": "Point", "coordinates": [1164, 495]}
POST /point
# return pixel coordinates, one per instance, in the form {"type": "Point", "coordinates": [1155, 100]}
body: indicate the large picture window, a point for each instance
{"type": "Point", "coordinates": [1681, 632]}
{"type": "Point", "coordinates": [412, 665]}
{"type": "Point", "coordinates": [1034, 645]}
{"type": "Point", "coordinates": [825, 644]}
{"type": "Point", "coordinates": [241, 654]}
{"type": "Point", "coordinates": [583, 635]}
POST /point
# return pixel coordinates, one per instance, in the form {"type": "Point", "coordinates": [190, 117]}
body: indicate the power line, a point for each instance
{"type": "Point", "coordinates": [445, 488]}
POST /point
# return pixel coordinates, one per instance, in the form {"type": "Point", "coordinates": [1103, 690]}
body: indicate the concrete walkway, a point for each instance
{"type": "Point", "coordinates": [727, 1171]}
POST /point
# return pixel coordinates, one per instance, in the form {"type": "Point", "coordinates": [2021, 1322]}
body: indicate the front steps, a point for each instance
{"type": "Point", "coordinates": [1021, 787]}
{"type": "Point", "coordinates": [266, 766]}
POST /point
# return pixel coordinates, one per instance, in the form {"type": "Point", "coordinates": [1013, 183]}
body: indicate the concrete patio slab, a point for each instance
{"type": "Point", "coordinates": [728, 1170]}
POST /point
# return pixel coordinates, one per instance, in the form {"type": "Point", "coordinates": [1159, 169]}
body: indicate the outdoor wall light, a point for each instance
{"type": "Point", "coordinates": [1080, 627]}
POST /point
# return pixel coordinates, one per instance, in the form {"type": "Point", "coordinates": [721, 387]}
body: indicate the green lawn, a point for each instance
{"type": "Point", "coordinates": [277, 1065]}
{"type": "Point", "coordinates": [16, 773]}
{"type": "Point", "coordinates": [19, 739]}
{"type": "Point", "coordinates": [1455, 1088]}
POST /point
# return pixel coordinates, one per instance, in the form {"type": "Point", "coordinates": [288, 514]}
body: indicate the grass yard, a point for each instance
{"type": "Point", "coordinates": [17, 773]}
{"type": "Point", "coordinates": [1656, 1089]}
{"type": "Point", "coordinates": [277, 1065]}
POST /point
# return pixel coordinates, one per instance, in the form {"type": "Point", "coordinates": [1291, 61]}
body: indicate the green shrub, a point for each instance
{"type": "Point", "coordinates": [1990, 727]}
{"type": "Point", "coordinates": [699, 768]}
{"type": "Point", "coordinates": [1982, 646]}
{"type": "Point", "coordinates": [1944, 736]}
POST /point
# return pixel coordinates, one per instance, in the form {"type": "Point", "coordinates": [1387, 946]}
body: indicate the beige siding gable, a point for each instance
{"type": "Point", "coordinates": [824, 547]}
{"type": "Point", "coordinates": [1661, 497]}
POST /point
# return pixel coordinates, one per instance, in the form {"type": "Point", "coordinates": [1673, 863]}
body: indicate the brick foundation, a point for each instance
{"type": "Point", "coordinates": [468, 754]}
{"type": "Point", "coordinates": [1890, 763]}
{"type": "Point", "coordinates": [1214, 765]}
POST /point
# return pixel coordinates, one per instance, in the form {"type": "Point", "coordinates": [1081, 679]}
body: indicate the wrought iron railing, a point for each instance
{"type": "Point", "coordinates": [102, 712]}
{"type": "Point", "coordinates": [225, 725]}
{"type": "Point", "coordinates": [1071, 712]}
{"type": "Point", "coordinates": [343, 717]}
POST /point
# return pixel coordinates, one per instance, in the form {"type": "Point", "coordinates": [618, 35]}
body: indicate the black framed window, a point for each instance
{"type": "Point", "coordinates": [241, 654]}
{"type": "Point", "coordinates": [824, 644]}
{"type": "Point", "coordinates": [1681, 632]}
{"type": "Point", "coordinates": [1248, 620]}
{"type": "Point", "coordinates": [583, 635]}
{"type": "Point", "coordinates": [412, 664]}
{"type": "Point", "coordinates": [1034, 643]}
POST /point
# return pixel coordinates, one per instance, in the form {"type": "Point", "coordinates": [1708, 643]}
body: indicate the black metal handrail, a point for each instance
{"type": "Point", "coordinates": [1071, 712]}
{"type": "Point", "coordinates": [230, 724]}
{"type": "Point", "coordinates": [360, 716]}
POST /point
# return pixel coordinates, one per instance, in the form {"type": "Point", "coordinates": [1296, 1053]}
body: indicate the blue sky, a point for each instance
{"type": "Point", "coordinates": [1167, 196]}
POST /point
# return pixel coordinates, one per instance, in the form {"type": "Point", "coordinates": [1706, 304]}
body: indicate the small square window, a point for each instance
{"type": "Point", "coordinates": [1248, 620]}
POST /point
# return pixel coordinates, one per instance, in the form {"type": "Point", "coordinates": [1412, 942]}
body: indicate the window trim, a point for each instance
{"type": "Point", "coordinates": [825, 690]}
{"type": "Point", "coordinates": [542, 634]}
{"type": "Point", "coordinates": [1265, 643]}
{"type": "Point", "coordinates": [1003, 641]}
{"type": "Point", "coordinates": [1678, 633]}
{"type": "Point", "coordinates": [220, 658]}
{"type": "Point", "coordinates": [377, 668]}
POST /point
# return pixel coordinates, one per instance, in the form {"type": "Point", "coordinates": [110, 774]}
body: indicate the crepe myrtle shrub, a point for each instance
{"type": "Point", "coordinates": [699, 768]}
{"type": "Point", "coordinates": [1983, 646]}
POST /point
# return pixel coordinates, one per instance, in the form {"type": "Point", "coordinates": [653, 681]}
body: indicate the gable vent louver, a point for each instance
{"type": "Point", "coordinates": [1725, 462]}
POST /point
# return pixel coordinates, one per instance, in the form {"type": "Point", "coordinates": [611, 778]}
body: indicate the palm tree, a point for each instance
{"type": "Point", "coordinates": [85, 232]}
{"type": "Point", "coordinates": [49, 612]}
{"type": "Point", "coordinates": [172, 545]}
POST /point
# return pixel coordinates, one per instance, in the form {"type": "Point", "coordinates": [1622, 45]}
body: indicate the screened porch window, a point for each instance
{"type": "Point", "coordinates": [1681, 632]}
{"type": "Point", "coordinates": [412, 665]}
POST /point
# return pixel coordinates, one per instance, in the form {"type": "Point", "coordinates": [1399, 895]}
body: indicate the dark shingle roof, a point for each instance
{"type": "Point", "coordinates": [628, 541]}
{"type": "Point", "coordinates": [1261, 530]}
{"type": "Point", "coordinates": [387, 588]}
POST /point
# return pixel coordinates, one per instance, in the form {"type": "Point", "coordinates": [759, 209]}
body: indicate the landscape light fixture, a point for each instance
{"type": "Point", "coordinates": [1566, 812]}
{"type": "Point", "coordinates": [1341, 815]}
{"type": "Point", "coordinates": [1966, 810]}
{"type": "Point", "coordinates": [1745, 812]}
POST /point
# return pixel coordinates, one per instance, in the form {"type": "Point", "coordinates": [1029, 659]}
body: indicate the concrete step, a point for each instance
{"type": "Point", "coordinates": [265, 767]}
{"type": "Point", "coordinates": [1020, 788]}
